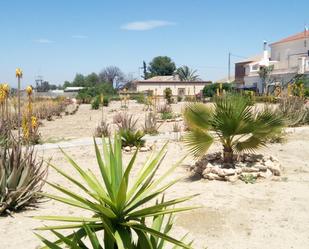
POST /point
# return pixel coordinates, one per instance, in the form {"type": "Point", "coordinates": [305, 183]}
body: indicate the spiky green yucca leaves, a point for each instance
{"type": "Point", "coordinates": [21, 176]}
{"type": "Point", "coordinates": [118, 208]}
{"type": "Point", "coordinates": [233, 121]}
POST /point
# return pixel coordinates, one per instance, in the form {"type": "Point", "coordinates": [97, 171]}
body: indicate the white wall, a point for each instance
{"type": "Point", "coordinates": [160, 87]}
{"type": "Point", "coordinates": [285, 52]}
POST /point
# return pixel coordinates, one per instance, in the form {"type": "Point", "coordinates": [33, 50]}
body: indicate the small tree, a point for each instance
{"type": "Point", "coordinates": [265, 73]}
{"type": "Point", "coordinates": [168, 95]}
{"type": "Point", "coordinates": [161, 65]}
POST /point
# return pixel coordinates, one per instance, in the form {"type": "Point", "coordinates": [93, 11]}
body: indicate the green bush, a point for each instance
{"type": "Point", "coordinates": [105, 101]}
{"type": "Point", "coordinates": [85, 95]}
{"type": "Point", "coordinates": [168, 95]}
{"type": "Point", "coordinates": [95, 104]}
{"type": "Point", "coordinates": [211, 90]}
{"type": "Point", "coordinates": [167, 115]}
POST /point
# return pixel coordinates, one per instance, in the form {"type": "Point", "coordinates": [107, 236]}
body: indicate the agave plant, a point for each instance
{"type": "Point", "coordinates": [118, 208]}
{"type": "Point", "coordinates": [233, 122]}
{"type": "Point", "coordinates": [21, 176]}
{"type": "Point", "coordinates": [132, 138]}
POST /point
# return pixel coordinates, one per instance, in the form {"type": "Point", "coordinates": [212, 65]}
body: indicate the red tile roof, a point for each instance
{"type": "Point", "coordinates": [299, 36]}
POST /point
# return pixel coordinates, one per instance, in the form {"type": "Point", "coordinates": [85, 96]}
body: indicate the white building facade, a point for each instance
{"type": "Point", "coordinates": [289, 57]}
{"type": "Point", "coordinates": [157, 85]}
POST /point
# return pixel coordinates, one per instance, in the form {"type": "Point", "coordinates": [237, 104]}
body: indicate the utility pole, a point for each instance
{"type": "Point", "coordinates": [229, 68]}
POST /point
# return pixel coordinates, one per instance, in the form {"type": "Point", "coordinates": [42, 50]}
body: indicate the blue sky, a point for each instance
{"type": "Point", "coordinates": [58, 39]}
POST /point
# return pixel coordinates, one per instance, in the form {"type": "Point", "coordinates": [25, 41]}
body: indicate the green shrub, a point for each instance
{"type": "Point", "coordinates": [105, 101]}
{"type": "Point", "coordinates": [168, 95]}
{"type": "Point", "coordinates": [139, 97]}
{"type": "Point", "coordinates": [119, 209]}
{"type": "Point", "coordinates": [95, 104]}
{"type": "Point", "coordinates": [167, 115]}
{"type": "Point", "coordinates": [211, 90]}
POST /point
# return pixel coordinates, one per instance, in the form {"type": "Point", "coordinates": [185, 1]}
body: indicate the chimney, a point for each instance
{"type": "Point", "coordinates": [265, 54]}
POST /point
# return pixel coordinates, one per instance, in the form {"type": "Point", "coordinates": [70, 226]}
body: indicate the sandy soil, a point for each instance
{"type": "Point", "coordinates": [267, 214]}
{"type": "Point", "coordinates": [84, 123]}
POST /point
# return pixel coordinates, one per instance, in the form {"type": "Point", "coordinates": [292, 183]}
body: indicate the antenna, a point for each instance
{"type": "Point", "coordinates": [305, 35]}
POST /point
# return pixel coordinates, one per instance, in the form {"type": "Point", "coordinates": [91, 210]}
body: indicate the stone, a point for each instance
{"type": "Point", "coordinates": [232, 179]}
{"type": "Point", "coordinates": [206, 172]}
{"type": "Point", "coordinates": [211, 157]}
{"type": "Point", "coordinates": [178, 119]}
{"type": "Point", "coordinates": [127, 149]}
{"type": "Point", "coordinates": [268, 163]}
{"type": "Point", "coordinates": [250, 169]}
{"type": "Point", "coordinates": [238, 170]}
{"type": "Point", "coordinates": [229, 172]}
{"type": "Point", "coordinates": [215, 170]}
{"type": "Point", "coordinates": [212, 176]}
{"type": "Point", "coordinates": [260, 166]}
{"type": "Point", "coordinates": [275, 169]}
{"type": "Point", "coordinates": [144, 149]}
{"type": "Point", "coordinates": [268, 174]}
{"type": "Point", "coordinates": [134, 148]}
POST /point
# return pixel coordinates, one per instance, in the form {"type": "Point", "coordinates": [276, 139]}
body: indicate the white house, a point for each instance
{"type": "Point", "coordinates": [289, 56]}
{"type": "Point", "coordinates": [156, 85]}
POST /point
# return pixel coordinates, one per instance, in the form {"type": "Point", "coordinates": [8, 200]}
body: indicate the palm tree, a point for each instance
{"type": "Point", "coordinates": [186, 74]}
{"type": "Point", "coordinates": [233, 122]}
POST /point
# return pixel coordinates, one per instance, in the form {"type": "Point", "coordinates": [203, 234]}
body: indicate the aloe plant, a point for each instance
{"type": "Point", "coordinates": [21, 176]}
{"type": "Point", "coordinates": [118, 208]}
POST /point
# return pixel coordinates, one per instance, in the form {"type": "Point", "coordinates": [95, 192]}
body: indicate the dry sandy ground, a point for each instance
{"type": "Point", "coordinates": [267, 214]}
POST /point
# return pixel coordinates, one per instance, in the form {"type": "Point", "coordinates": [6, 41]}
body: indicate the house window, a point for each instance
{"type": "Point", "coordinates": [181, 92]}
{"type": "Point", "coordinates": [255, 67]}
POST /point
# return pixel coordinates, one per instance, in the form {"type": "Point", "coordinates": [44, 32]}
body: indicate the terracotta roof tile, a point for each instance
{"type": "Point", "coordinates": [298, 36]}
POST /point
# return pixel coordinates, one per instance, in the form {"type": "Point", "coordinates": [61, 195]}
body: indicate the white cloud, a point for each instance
{"type": "Point", "coordinates": [146, 25]}
{"type": "Point", "coordinates": [43, 40]}
{"type": "Point", "coordinates": [79, 36]}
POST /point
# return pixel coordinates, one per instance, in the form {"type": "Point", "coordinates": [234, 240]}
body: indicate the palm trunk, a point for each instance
{"type": "Point", "coordinates": [228, 155]}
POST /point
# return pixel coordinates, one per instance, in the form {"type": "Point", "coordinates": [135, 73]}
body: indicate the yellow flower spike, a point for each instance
{"type": "Point", "coordinates": [6, 88]}
{"type": "Point", "coordinates": [29, 90]}
{"type": "Point", "coordinates": [34, 122]}
{"type": "Point", "coordinates": [19, 73]}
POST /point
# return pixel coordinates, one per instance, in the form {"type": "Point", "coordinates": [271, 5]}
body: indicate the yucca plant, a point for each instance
{"type": "Point", "coordinates": [118, 208]}
{"type": "Point", "coordinates": [21, 176]}
{"type": "Point", "coordinates": [161, 223]}
{"type": "Point", "coordinates": [233, 122]}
